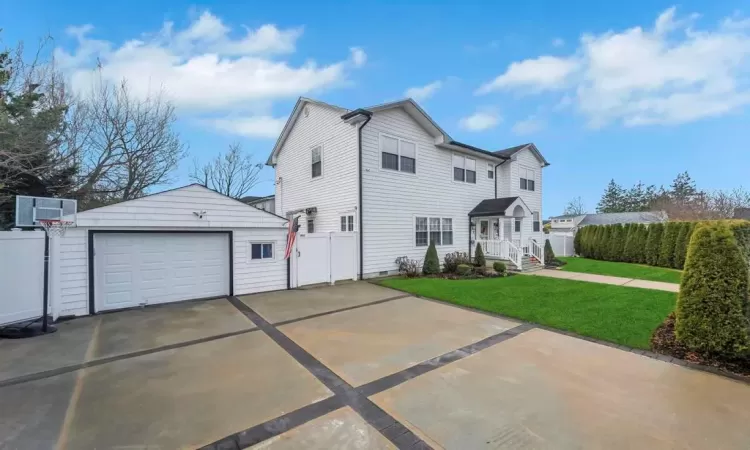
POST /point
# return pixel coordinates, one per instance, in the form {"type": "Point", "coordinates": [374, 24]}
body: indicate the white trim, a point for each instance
{"type": "Point", "coordinates": [398, 140]}
{"type": "Point", "coordinates": [250, 258]}
{"type": "Point", "coordinates": [322, 169]}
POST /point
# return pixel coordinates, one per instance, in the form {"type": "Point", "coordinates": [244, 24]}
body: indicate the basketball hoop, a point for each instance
{"type": "Point", "coordinates": [55, 227]}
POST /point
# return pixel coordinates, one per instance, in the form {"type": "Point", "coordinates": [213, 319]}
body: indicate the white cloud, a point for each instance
{"type": "Point", "coordinates": [545, 72]}
{"type": "Point", "coordinates": [480, 121]}
{"type": "Point", "coordinates": [669, 73]}
{"type": "Point", "coordinates": [558, 42]}
{"type": "Point", "coordinates": [421, 93]}
{"type": "Point", "coordinates": [203, 69]}
{"type": "Point", "coordinates": [530, 125]}
{"type": "Point", "coordinates": [253, 126]}
{"type": "Point", "coordinates": [359, 57]}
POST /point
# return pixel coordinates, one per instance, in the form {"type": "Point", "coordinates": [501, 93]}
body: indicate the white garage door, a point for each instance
{"type": "Point", "coordinates": [133, 269]}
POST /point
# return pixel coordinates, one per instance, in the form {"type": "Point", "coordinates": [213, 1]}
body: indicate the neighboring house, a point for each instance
{"type": "Point", "coordinates": [742, 213]}
{"type": "Point", "coordinates": [392, 175]}
{"type": "Point", "coordinates": [565, 223]}
{"type": "Point", "coordinates": [646, 217]}
{"type": "Point", "coordinates": [267, 203]}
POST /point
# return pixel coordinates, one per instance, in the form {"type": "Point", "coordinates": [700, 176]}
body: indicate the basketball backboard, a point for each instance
{"type": "Point", "coordinates": [30, 210]}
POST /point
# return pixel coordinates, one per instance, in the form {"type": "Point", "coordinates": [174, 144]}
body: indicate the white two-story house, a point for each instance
{"type": "Point", "coordinates": [394, 177]}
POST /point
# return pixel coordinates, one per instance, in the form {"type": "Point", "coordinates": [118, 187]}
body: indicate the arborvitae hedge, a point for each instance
{"type": "Point", "coordinates": [577, 243]}
{"type": "Point", "coordinates": [431, 264]}
{"type": "Point", "coordinates": [640, 253]}
{"type": "Point", "coordinates": [653, 243]}
{"type": "Point", "coordinates": [668, 242]}
{"type": "Point", "coordinates": [680, 246]}
{"type": "Point", "coordinates": [713, 299]}
{"type": "Point", "coordinates": [617, 243]}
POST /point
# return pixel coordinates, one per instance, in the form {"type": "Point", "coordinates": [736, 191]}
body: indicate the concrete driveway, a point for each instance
{"type": "Point", "coordinates": [348, 366]}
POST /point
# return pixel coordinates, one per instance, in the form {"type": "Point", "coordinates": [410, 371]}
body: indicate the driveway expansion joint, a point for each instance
{"type": "Point", "coordinates": [348, 308]}
{"type": "Point", "coordinates": [345, 394]}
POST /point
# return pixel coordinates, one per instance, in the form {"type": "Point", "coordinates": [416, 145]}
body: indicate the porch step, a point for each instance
{"type": "Point", "coordinates": [528, 264]}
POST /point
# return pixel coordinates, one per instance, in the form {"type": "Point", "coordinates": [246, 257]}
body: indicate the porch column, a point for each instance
{"type": "Point", "coordinates": [501, 224]}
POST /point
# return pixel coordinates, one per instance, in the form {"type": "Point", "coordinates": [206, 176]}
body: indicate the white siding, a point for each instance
{"type": "Point", "coordinates": [249, 276]}
{"type": "Point", "coordinates": [333, 193]}
{"type": "Point", "coordinates": [392, 199]}
{"type": "Point", "coordinates": [533, 199]}
{"type": "Point", "coordinates": [174, 209]}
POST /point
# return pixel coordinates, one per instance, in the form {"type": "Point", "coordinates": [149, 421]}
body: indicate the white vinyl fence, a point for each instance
{"type": "Point", "coordinates": [324, 258]}
{"type": "Point", "coordinates": [562, 244]}
{"type": "Point", "coordinates": [21, 275]}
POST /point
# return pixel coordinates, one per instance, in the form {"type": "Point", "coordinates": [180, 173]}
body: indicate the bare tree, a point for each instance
{"type": "Point", "coordinates": [233, 173]}
{"type": "Point", "coordinates": [575, 207]}
{"type": "Point", "coordinates": [124, 145]}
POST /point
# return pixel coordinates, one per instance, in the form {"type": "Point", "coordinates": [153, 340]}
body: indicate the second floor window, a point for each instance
{"type": "Point", "coordinates": [535, 221]}
{"type": "Point", "coordinates": [527, 179]}
{"type": "Point", "coordinates": [490, 171]}
{"type": "Point", "coordinates": [398, 154]}
{"type": "Point", "coordinates": [317, 161]}
{"type": "Point", "coordinates": [347, 223]}
{"type": "Point", "coordinates": [464, 169]}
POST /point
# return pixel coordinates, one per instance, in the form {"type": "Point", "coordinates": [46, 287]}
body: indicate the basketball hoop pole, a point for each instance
{"type": "Point", "coordinates": [45, 307]}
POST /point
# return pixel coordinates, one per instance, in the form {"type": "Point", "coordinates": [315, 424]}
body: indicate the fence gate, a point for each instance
{"type": "Point", "coordinates": [562, 244]}
{"type": "Point", "coordinates": [21, 275]}
{"type": "Point", "coordinates": [324, 258]}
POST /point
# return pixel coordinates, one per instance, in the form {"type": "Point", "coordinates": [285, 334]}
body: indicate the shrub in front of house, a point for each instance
{"type": "Point", "coordinates": [479, 256]}
{"type": "Point", "coordinates": [452, 260]}
{"type": "Point", "coordinates": [653, 243]}
{"type": "Point", "coordinates": [577, 243]}
{"type": "Point", "coordinates": [668, 242]}
{"type": "Point", "coordinates": [431, 261]}
{"type": "Point", "coordinates": [713, 300]}
{"type": "Point", "coordinates": [500, 267]}
{"type": "Point", "coordinates": [549, 255]}
{"type": "Point", "coordinates": [407, 266]}
{"type": "Point", "coordinates": [464, 269]}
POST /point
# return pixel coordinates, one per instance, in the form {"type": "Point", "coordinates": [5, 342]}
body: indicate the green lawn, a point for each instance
{"type": "Point", "coordinates": [619, 269]}
{"type": "Point", "coordinates": [612, 313]}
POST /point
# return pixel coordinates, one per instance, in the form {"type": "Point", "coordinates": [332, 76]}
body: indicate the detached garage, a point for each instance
{"type": "Point", "coordinates": [183, 244]}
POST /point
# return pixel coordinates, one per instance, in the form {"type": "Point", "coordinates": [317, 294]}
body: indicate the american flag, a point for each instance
{"type": "Point", "coordinates": [291, 236]}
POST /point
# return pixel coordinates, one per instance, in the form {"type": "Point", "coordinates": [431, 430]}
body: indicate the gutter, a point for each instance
{"type": "Point", "coordinates": [346, 117]}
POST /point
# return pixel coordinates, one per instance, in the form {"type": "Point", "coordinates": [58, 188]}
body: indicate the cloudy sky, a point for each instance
{"type": "Point", "coordinates": [637, 91]}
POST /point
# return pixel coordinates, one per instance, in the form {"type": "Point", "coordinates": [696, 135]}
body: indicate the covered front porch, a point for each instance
{"type": "Point", "coordinates": [498, 226]}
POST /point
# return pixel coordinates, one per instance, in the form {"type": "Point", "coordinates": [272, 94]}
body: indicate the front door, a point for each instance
{"type": "Point", "coordinates": [484, 229]}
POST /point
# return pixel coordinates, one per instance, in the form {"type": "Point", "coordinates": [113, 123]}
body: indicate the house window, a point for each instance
{"type": "Point", "coordinates": [433, 229]}
{"type": "Point", "coordinates": [311, 225]}
{"type": "Point", "coordinates": [447, 231]}
{"type": "Point", "coordinates": [261, 250]}
{"type": "Point", "coordinates": [317, 161]}
{"type": "Point", "coordinates": [527, 179]}
{"type": "Point", "coordinates": [535, 219]}
{"type": "Point", "coordinates": [398, 154]}
{"type": "Point", "coordinates": [464, 169]}
{"type": "Point", "coordinates": [347, 223]}
{"type": "Point", "coordinates": [421, 231]}
{"type": "Point", "coordinates": [490, 171]}
{"type": "Point", "coordinates": [518, 224]}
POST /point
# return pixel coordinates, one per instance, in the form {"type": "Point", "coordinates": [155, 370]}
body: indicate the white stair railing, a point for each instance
{"type": "Point", "coordinates": [491, 247]}
{"type": "Point", "coordinates": [536, 250]}
{"type": "Point", "coordinates": [504, 249]}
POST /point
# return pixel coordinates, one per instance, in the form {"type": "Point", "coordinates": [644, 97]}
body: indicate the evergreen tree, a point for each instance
{"type": "Point", "coordinates": [30, 139]}
{"type": "Point", "coordinates": [668, 241]}
{"type": "Point", "coordinates": [653, 244]}
{"type": "Point", "coordinates": [681, 246]}
{"type": "Point", "coordinates": [479, 259]}
{"type": "Point", "coordinates": [613, 199]}
{"type": "Point", "coordinates": [629, 232]}
{"type": "Point", "coordinates": [617, 243]}
{"type": "Point", "coordinates": [431, 264]}
{"type": "Point", "coordinates": [577, 246]}
{"type": "Point", "coordinates": [683, 188]}
{"type": "Point", "coordinates": [640, 255]}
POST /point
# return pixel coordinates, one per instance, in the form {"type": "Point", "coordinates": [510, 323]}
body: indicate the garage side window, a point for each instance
{"type": "Point", "coordinates": [261, 250]}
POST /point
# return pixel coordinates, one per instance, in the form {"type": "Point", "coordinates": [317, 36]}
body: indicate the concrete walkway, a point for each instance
{"type": "Point", "coordinates": [606, 279]}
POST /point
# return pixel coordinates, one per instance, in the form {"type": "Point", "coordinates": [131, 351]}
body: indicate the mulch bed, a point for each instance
{"type": "Point", "coordinates": [663, 341]}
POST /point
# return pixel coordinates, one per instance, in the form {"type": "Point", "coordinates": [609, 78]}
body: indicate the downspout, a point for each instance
{"type": "Point", "coordinates": [361, 221]}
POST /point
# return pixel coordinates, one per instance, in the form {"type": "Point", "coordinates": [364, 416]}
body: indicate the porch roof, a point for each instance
{"type": "Point", "coordinates": [493, 207]}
